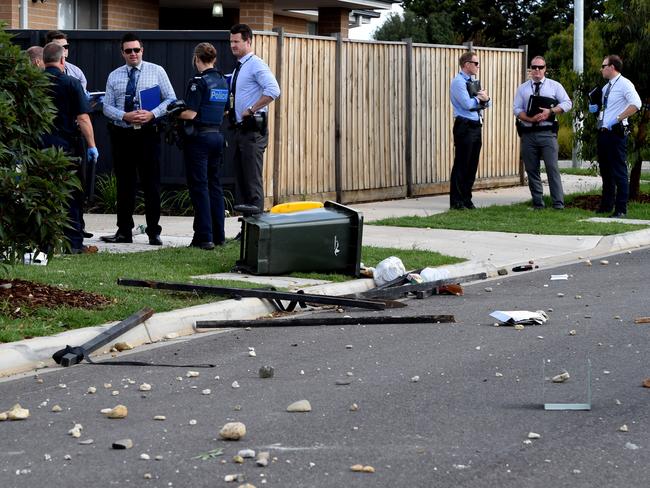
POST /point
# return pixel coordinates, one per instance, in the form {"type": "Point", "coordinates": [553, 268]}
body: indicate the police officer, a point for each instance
{"type": "Point", "coordinates": [71, 106]}
{"type": "Point", "coordinates": [206, 97]}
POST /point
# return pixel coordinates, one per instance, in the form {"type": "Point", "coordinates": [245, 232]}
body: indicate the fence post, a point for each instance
{"type": "Point", "coordinates": [524, 77]}
{"type": "Point", "coordinates": [338, 71]}
{"type": "Point", "coordinates": [277, 126]}
{"type": "Point", "coordinates": [408, 123]}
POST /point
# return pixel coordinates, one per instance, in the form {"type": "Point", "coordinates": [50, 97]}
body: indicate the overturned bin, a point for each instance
{"type": "Point", "coordinates": [322, 239]}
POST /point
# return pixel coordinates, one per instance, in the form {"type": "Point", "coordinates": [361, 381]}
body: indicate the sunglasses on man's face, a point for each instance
{"type": "Point", "coordinates": [66, 46]}
{"type": "Point", "coordinates": [535, 66]}
{"type": "Point", "coordinates": [475, 63]}
{"type": "Point", "coordinates": [130, 50]}
{"type": "Point", "coordinates": [603, 66]}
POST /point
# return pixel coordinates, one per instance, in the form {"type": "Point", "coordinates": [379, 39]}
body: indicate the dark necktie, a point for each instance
{"type": "Point", "coordinates": [609, 87]}
{"type": "Point", "coordinates": [537, 85]}
{"type": "Point", "coordinates": [233, 88]}
{"type": "Point", "coordinates": [129, 94]}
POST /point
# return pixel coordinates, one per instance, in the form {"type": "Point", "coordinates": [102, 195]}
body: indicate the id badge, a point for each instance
{"type": "Point", "coordinates": [601, 114]}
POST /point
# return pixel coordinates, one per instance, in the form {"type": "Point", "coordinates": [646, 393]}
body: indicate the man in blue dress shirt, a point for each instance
{"type": "Point", "coordinates": [619, 101]}
{"type": "Point", "coordinates": [468, 100]}
{"type": "Point", "coordinates": [252, 88]}
{"type": "Point", "coordinates": [538, 129]}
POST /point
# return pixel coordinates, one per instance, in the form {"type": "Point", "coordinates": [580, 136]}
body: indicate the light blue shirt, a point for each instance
{"type": "Point", "coordinates": [254, 80]}
{"type": "Point", "coordinates": [150, 75]}
{"type": "Point", "coordinates": [622, 95]}
{"type": "Point", "coordinates": [548, 88]}
{"type": "Point", "coordinates": [461, 101]}
{"type": "Point", "coordinates": [75, 71]}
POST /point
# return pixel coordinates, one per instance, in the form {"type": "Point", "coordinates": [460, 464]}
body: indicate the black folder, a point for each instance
{"type": "Point", "coordinates": [536, 103]}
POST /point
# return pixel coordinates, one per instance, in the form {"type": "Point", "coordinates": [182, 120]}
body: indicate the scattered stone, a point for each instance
{"type": "Point", "coordinates": [67, 457]}
{"type": "Point", "coordinates": [237, 408]}
{"type": "Point", "coordinates": [122, 346]}
{"type": "Point", "coordinates": [266, 372]}
{"type": "Point", "coordinates": [123, 444]}
{"type": "Point", "coordinates": [232, 477]}
{"type": "Point", "coordinates": [246, 485]}
{"type": "Point", "coordinates": [354, 407]}
{"type": "Point", "coordinates": [247, 453]}
{"type": "Point", "coordinates": [17, 413]}
{"type": "Point", "coordinates": [262, 458]}
{"type": "Point", "coordinates": [488, 289]}
{"type": "Point", "coordinates": [108, 386]}
{"type": "Point", "coordinates": [623, 428]}
{"type": "Point", "coordinates": [238, 459]}
{"type": "Point", "coordinates": [192, 422]}
{"type": "Point", "coordinates": [360, 468]}
{"type": "Point", "coordinates": [368, 469]}
{"type": "Point", "coordinates": [62, 386]}
{"type": "Point", "coordinates": [527, 441]}
{"type": "Point", "coordinates": [415, 379]}
{"type": "Point", "coordinates": [115, 393]}
{"type": "Point", "coordinates": [631, 446]}
{"type": "Point", "coordinates": [207, 391]}
{"type": "Point", "coordinates": [145, 387]}
{"type": "Point", "coordinates": [646, 383]}
{"type": "Point", "coordinates": [343, 382]}
{"type": "Point", "coordinates": [534, 435]}
{"type": "Point", "coordinates": [171, 335]}
{"type": "Point", "coordinates": [560, 294]}
{"type": "Point", "coordinates": [57, 408]}
{"type": "Point", "coordinates": [498, 375]}
{"type": "Point", "coordinates": [86, 442]}
{"type": "Point", "coordinates": [502, 272]}
{"type": "Point", "coordinates": [604, 262]}
{"type": "Point", "coordinates": [617, 317]}
{"type": "Point", "coordinates": [91, 390]}
{"type": "Point", "coordinates": [561, 378]}
{"type": "Point", "coordinates": [588, 262]}
{"type": "Point", "coordinates": [159, 457]}
{"type": "Point", "coordinates": [349, 346]}
{"type": "Point", "coordinates": [147, 476]}
{"type": "Point", "coordinates": [519, 326]}
{"type": "Point", "coordinates": [159, 417]}
{"type": "Point", "coordinates": [235, 384]}
{"type": "Point", "coordinates": [76, 431]}
{"type": "Point", "coordinates": [300, 406]}
{"type": "Point", "coordinates": [572, 332]}
{"type": "Point", "coordinates": [252, 354]}
{"type": "Point", "coordinates": [618, 402]}
{"type": "Point", "coordinates": [232, 431]}
{"type": "Point", "coordinates": [192, 374]}
{"type": "Point", "coordinates": [145, 457]}
{"type": "Point", "coordinates": [117, 412]}
{"type": "Point", "coordinates": [578, 297]}
{"type": "Point", "coordinates": [606, 372]}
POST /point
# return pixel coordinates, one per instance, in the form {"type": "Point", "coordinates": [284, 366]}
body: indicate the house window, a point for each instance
{"type": "Point", "coordinates": [78, 14]}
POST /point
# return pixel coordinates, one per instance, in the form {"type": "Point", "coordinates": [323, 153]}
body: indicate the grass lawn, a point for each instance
{"type": "Point", "coordinates": [520, 218]}
{"type": "Point", "coordinates": [98, 273]}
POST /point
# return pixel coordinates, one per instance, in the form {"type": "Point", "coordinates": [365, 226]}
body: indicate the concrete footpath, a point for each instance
{"type": "Point", "coordinates": [485, 252]}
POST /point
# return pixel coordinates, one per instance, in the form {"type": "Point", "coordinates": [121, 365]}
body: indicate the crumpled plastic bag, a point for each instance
{"type": "Point", "coordinates": [388, 270]}
{"type": "Point", "coordinates": [434, 274]}
{"type": "Point", "coordinates": [523, 317]}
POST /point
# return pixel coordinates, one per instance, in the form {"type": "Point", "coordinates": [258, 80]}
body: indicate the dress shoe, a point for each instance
{"type": "Point", "coordinates": [86, 234]}
{"type": "Point", "coordinates": [603, 211]}
{"type": "Point", "coordinates": [117, 239]}
{"type": "Point", "coordinates": [470, 206]}
{"type": "Point", "coordinates": [206, 246]}
{"type": "Point", "coordinates": [457, 206]}
{"type": "Point", "coordinates": [84, 250]}
{"type": "Point", "coordinates": [617, 215]}
{"type": "Point", "coordinates": [538, 207]}
{"type": "Point", "coordinates": [155, 240]}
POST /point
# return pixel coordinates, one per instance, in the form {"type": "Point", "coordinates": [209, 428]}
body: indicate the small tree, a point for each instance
{"type": "Point", "coordinates": [35, 184]}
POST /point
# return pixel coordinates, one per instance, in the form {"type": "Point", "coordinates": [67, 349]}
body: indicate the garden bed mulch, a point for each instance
{"type": "Point", "coordinates": [592, 202]}
{"type": "Point", "coordinates": [30, 295]}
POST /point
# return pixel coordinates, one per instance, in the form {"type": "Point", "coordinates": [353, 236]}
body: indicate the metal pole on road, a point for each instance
{"type": "Point", "coordinates": [578, 67]}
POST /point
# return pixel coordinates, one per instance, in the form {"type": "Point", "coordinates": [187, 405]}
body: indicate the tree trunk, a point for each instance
{"type": "Point", "coordinates": [637, 159]}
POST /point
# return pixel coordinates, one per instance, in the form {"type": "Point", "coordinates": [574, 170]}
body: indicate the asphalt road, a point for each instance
{"type": "Point", "coordinates": [465, 423]}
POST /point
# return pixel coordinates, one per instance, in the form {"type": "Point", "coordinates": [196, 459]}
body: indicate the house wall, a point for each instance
{"type": "Point", "coordinates": [290, 24]}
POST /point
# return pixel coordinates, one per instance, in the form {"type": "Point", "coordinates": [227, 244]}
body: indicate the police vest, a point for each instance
{"type": "Point", "coordinates": [214, 99]}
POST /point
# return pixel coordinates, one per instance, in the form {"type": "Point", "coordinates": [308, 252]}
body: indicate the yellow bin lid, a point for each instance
{"type": "Point", "coordinates": [295, 207]}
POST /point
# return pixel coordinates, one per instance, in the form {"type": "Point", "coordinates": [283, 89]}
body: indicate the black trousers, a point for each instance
{"type": "Point", "coordinates": [136, 153]}
{"type": "Point", "coordinates": [246, 151]}
{"type": "Point", "coordinates": [467, 141]}
{"type": "Point", "coordinates": [612, 161]}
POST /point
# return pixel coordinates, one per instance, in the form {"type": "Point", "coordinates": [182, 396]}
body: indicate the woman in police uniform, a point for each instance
{"type": "Point", "coordinates": [206, 97]}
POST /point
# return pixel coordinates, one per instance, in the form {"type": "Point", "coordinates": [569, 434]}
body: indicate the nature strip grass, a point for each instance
{"type": "Point", "coordinates": [519, 218]}
{"type": "Point", "coordinates": [98, 273]}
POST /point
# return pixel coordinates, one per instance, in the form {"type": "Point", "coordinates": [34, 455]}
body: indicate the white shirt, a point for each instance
{"type": "Point", "coordinates": [622, 95]}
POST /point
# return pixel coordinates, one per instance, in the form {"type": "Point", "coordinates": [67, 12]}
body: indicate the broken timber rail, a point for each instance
{"type": "Point", "coordinates": [275, 297]}
{"type": "Point", "coordinates": [324, 321]}
{"type": "Point", "coordinates": [387, 292]}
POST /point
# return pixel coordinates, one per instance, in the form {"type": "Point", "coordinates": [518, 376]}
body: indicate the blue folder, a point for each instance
{"type": "Point", "coordinates": [150, 98]}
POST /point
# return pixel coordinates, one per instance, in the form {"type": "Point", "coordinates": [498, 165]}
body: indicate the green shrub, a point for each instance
{"type": "Point", "coordinates": [565, 141]}
{"type": "Point", "coordinates": [35, 185]}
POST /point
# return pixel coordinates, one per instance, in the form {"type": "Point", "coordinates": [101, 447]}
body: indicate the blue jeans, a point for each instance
{"type": "Point", "coordinates": [203, 158]}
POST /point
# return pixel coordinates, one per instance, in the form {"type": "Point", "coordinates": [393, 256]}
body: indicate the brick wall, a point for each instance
{"type": "Point", "coordinates": [258, 14]}
{"type": "Point", "coordinates": [129, 14]}
{"type": "Point", "coordinates": [290, 24]}
{"type": "Point", "coordinates": [333, 20]}
{"type": "Point", "coordinates": [9, 13]}
{"type": "Point", "coordinates": [43, 15]}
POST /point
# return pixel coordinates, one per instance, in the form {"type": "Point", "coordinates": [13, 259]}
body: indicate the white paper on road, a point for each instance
{"type": "Point", "coordinates": [523, 317]}
{"type": "Point", "coordinates": [559, 277]}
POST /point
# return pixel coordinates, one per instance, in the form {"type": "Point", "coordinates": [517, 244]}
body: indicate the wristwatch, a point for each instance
{"type": "Point", "coordinates": [251, 110]}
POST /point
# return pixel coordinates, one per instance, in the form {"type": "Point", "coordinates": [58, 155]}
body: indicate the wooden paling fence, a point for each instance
{"type": "Point", "coordinates": [360, 120]}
